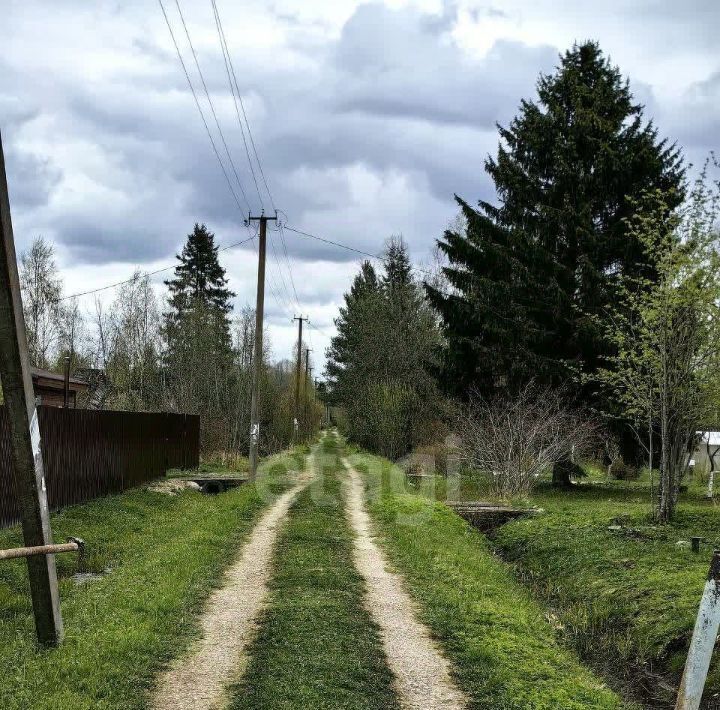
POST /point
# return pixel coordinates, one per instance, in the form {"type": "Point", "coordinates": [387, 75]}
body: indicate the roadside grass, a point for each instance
{"type": "Point", "coordinates": [164, 554]}
{"type": "Point", "coordinates": [503, 648]}
{"type": "Point", "coordinates": [317, 646]}
{"type": "Point", "coordinates": [626, 597]}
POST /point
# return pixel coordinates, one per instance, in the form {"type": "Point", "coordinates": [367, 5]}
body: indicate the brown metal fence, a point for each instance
{"type": "Point", "coordinates": [88, 454]}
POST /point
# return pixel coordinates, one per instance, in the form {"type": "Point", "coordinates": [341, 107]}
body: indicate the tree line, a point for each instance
{"type": "Point", "coordinates": [189, 354]}
{"type": "Point", "coordinates": [593, 273]}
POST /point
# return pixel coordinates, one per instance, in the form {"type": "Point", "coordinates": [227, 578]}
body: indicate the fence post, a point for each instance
{"type": "Point", "coordinates": [702, 642]}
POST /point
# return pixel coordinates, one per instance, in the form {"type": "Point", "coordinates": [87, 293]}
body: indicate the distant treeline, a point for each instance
{"type": "Point", "coordinates": [188, 354]}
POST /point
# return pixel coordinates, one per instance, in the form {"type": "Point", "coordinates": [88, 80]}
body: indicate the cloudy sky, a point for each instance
{"type": "Point", "coordinates": [367, 117]}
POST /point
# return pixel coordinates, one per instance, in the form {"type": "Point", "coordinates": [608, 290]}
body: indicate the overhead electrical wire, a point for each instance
{"type": "Point", "coordinates": [212, 106]}
{"type": "Point", "coordinates": [242, 105]}
{"type": "Point", "coordinates": [149, 273]}
{"type": "Point", "coordinates": [217, 123]}
{"type": "Point", "coordinates": [237, 99]}
{"type": "Point", "coordinates": [199, 108]}
{"type": "Point", "coordinates": [348, 248]}
{"type": "Point", "coordinates": [230, 70]}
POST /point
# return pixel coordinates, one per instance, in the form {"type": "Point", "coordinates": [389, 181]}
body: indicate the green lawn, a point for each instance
{"type": "Point", "coordinates": [504, 650]}
{"type": "Point", "coordinates": [164, 554]}
{"type": "Point", "coordinates": [317, 646]}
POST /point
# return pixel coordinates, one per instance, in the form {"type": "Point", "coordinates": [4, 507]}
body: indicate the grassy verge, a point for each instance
{"type": "Point", "coordinates": [317, 646]}
{"type": "Point", "coordinates": [164, 554]}
{"type": "Point", "coordinates": [627, 596]}
{"type": "Point", "coordinates": [504, 650]}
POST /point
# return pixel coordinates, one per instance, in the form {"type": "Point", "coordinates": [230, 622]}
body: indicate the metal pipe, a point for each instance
{"type": "Point", "coordinates": [702, 642]}
{"type": "Point", "coordinates": [74, 544]}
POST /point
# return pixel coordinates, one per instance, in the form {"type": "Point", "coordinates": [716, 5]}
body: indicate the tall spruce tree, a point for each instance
{"type": "Point", "coordinates": [196, 329]}
{"type": "Point", "coordinates": [352, 326]}
{"type": "Point", "coordinates": [377, 364]}
{"type": "Point", "coordinates": [528, 271]}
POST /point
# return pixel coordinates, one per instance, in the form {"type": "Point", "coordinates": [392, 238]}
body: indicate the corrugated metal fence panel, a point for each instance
{"type": "Point", "coordinates": [89, 454]}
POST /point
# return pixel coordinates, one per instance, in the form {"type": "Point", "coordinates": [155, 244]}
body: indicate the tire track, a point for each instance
{"type": "Point", "coordinates": [422, 674]}
{"type": "Point", "coordinates": [199, 681]}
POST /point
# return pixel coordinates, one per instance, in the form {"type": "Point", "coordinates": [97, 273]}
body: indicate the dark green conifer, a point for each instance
{"type": "Point", "coordinates": [527, 272]}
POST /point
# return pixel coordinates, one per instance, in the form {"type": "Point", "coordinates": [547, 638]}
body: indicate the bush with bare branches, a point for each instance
{"type": "Point", "coordinates": [514, 439]}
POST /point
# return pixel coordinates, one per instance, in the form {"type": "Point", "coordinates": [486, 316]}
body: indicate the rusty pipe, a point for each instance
{"type": "Point", "coordinates": [74, 544]}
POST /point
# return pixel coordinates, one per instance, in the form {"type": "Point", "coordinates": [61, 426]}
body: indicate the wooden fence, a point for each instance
{"type": "Point", "coordinates": [88, 454]}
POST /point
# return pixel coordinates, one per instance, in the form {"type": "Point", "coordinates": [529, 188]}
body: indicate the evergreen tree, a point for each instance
{"type": "Point", "coordinates": [351, 324]}
{"type": "Point", "coordinates": [377, 365]}
{"type": "Point", "coordinates": [199, 278]}
{"type": "Point", "coordinates": [198, 348]}
{"type": "Point", "coordinates": [528, 273]}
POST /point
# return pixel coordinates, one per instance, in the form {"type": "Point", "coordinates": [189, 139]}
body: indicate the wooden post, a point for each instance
{"type": "Point", "coordinates": [702, 642]}
{"type": "Point", "coordinates": [66, 387]}
{"type": "Point", "coordinates": [25, 453]}
{"type": "Point", "coordinates": [257, 364]}
{"type": "Point", "coordinates": [306, 411]}
{"type": "Point", "coordinates": [298, 372]}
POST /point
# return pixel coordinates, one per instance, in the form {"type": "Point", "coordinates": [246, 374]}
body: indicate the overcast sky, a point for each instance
{"type": "Point", "coordinates": [367, 117]}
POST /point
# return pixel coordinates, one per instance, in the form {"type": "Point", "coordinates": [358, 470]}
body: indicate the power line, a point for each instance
{"type": "Point", "coordinates": [330, 241]}
{"type": "Point", "coordinates": [199, 108]}
{"type": "Point", "coordinates": [349, 248]}
{"type": "Point", "coordinates": [228, 68]}
{"type": "Point", "coordinates": [212, 106]}
{"type": "Point", "coordinates": [287, 258]}
{"type": "Point", "coordinates": [150, 273]}
{"type": "Point", "coordinates": [242, 106]}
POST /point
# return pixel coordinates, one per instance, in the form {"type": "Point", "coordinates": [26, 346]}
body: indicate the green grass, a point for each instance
{"type": "Point", "coordinates": [317, 646]}
{"type": "Point", "coordinates": [504, 650]}
{"type": "Point", "coordinates": [626, 599]}
{"type": "Point", "coordinates": [628, 595]}
{"type": "Point", "coordinates": [164, 554]}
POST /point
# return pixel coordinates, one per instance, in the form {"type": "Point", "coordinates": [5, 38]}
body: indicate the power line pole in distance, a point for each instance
{"type": "Point", "coordinates": [305, 386]}
{"type": "Point", "coordinates": [298, 372]}
{"type": "Point", "coordinates": [25, 453]}
{"type": "Point", "coordinates": [257, 365]}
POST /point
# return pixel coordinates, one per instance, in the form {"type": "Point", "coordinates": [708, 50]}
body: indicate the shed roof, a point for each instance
{"type": "Point", "coordinates": [53, 379]}
{"type": "Point", "coordinates": [710, 437]}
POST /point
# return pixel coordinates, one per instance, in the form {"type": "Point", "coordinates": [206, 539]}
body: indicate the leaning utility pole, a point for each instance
{"type": "Point", "coordinates": [25, 454]}
{"type": "Point", "coordinates": [257, 364]}
{"type": "Point", "coordinates": [300, 320]}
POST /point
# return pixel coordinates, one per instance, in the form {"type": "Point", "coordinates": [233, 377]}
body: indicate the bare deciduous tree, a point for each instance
{"type": "Point", "coordinates": [41, 292]}
{"type": "Point", "coordinates": [515, 439]}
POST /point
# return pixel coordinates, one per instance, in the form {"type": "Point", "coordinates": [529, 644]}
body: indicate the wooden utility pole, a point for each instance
{"type": "Point", "coordinates": [66, 384]}
{"type": "Point", "coordinates": [298, 372]}
{"type": "Point", "coordinates": [305, 386]}
{"type": "Point", "coordinates": [25, 454]}
{"type": "Point", "coordinates": [258, 356]}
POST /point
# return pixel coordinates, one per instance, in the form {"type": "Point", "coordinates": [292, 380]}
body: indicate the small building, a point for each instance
{"type": "Point", "coordinates": [49, 388]}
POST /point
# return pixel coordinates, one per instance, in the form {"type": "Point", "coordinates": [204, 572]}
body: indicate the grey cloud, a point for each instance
{"type": "Point", "coordinates": [391, 94]}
